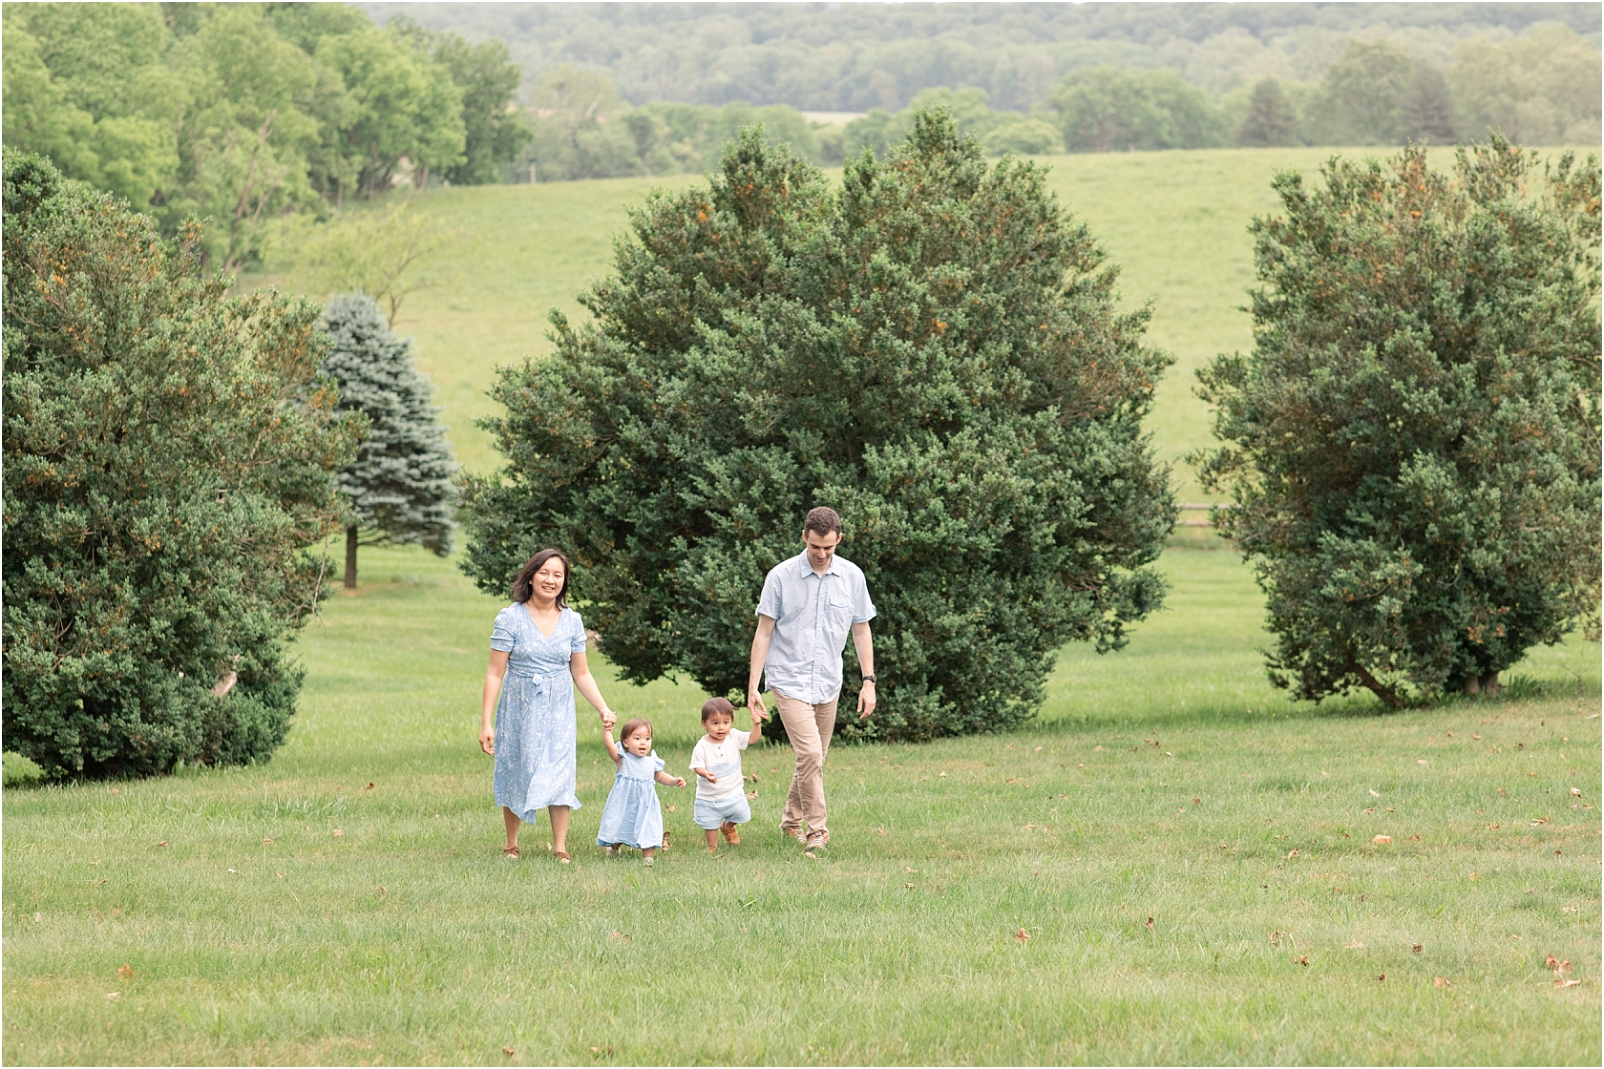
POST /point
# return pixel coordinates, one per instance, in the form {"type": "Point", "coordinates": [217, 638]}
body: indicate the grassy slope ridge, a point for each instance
{"type": "Point", "coordinates": [1176, 222]}
{"type": "Point", "coordinates": [1167, 782]}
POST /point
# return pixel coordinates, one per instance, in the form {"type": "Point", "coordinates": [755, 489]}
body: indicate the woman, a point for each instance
{"type": "Point", "coordinates": [538, 649]}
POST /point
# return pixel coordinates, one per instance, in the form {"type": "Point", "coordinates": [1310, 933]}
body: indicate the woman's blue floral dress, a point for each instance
{"type": "Point", "coordinates": [535, 733]}
{"type": "Point", "coordinates": [633, 816]}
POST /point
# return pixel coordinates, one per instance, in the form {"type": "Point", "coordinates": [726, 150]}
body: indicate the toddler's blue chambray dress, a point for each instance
{"type": "Point", "coordinates": [633, 816]}
{"type": "Point", "coordinates": [535, 733]}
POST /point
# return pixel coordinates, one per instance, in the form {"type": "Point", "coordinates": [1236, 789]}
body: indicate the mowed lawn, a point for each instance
{"type": "Point", "coordinates": [1174, 865]}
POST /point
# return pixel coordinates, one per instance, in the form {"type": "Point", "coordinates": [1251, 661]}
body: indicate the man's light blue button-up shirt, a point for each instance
{"type": "Point", "coordinates": [813, 615]}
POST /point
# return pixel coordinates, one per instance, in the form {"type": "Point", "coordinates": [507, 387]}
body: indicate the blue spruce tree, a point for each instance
{"type": "Point", "coordinates": [400, 485]}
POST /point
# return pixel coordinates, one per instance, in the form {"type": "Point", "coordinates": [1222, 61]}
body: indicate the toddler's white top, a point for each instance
{"type": "Point", "coordinates": [723, 759]}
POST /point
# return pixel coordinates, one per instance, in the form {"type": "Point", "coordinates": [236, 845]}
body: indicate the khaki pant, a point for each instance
{"type": "Point", "coordinates": [809, 728]}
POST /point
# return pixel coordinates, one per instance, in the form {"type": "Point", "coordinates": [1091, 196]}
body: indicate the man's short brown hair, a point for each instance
{"type": "Point", "coordinates": [822, 521]}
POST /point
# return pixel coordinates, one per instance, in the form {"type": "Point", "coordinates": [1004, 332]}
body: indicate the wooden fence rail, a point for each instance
{"type": "Point", "coordinates": [1197, 508]}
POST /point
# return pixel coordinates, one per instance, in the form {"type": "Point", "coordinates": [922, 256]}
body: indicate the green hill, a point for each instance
{"type": "Point", "coordinates": [1176, 222]}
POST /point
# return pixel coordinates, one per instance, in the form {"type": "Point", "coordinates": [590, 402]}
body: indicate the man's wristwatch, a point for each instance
{"type": "Point", "coordinates": [870, 678]}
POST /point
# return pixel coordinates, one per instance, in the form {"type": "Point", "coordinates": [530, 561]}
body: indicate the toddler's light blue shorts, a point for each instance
{"type": "Point", "coordinates": [711, 815]}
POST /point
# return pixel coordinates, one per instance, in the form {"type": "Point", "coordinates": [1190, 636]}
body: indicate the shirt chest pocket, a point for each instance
{"type": "Point", "coordinates": [838, 613]}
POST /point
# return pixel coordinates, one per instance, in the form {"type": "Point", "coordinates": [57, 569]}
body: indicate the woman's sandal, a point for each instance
{"type": "Point", "coordinates": [562, 857]}
{"type": "Point", "coordinates": [510, 853]}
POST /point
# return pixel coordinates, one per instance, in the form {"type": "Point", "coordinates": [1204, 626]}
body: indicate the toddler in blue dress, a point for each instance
{"type": "Point", "coordinates": [633, 816]}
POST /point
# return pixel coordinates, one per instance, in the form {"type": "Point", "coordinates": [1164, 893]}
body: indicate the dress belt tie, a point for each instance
{"type": "Point", "coordinates": [540, 679]}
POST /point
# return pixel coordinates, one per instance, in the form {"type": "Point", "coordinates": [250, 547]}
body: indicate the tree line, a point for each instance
{"type": "Point", "coordinates": [854, 57]}
{"type": "Point", "coordinates": [240, 113]}
{"type": "Point", "coordinates": [1543, 88]}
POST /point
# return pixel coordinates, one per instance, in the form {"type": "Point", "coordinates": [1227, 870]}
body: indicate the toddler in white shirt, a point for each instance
{"type": "Point", "coordinates": [720, 795]}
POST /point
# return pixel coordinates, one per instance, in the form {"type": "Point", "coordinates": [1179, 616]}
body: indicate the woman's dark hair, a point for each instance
{"type": "Point", "coordinates": [523, 587]}
{"type": "Point", "coordinates": [717, 707]}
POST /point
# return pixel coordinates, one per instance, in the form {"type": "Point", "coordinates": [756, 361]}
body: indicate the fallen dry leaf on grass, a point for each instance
{"type": "Point", "coordinates": [1382, 840]}
{"type": "Point", "coordinates": [337, 833]}
{"type": "Point", "coordinates": [1565, 983]}
{"type": "Point", "coordinates": [676, 806]}
{"type": "Point", "coordinates": [751, 794]}
{"type": "Point", "coordinates": [115, 995]}
{"type": "Point", "coordinates": [1291, 854]}
{"type": "Point", "coordinates": [1038, 749]}
{"type": "Point", "coordinates": [164, 842]}
{"type": "Point", "coordinates": [125, 972]}
{"type": "Point", "coordinates": [1420, 762]}
{"type": "Point", "coordinates": [369, 787]}
{"type": "Point", "coordinates": [1374, 794]}
{"type": "Point", "coordinates": [1096, 748]}
{"type": "Point", "coordinates": [383, 890]}
{"type": "Point", "coordinates": [1022, 935]}
{"type": "Point", "coordinates": [1417, 948]}
{"type": "Point", "coordinates": [1354, 944]}
{"type": "Point", "coordinates": [1473, 876]}
{"type": "Point", "coordinates": [1556, 965]}
{"type": "Point", "coordinates": [881, 830]}
{"type": "Point", "coordinates": [1437, 981]}
{"type": "Point", "coordinates": [1383, 976]}
{"type": "Point", "coordinates": [1150, 924]}
{"type": "Point", "coordinates": [617, 936]}
{"type": "Point", "coordinates": [1304, 961]}
{"type": "Point", "coordinates": [1275, 939]}
{"type": "Point", "coordinates": [508, 1051]}
{"type": "Point", "coordinates": [1576, 792]}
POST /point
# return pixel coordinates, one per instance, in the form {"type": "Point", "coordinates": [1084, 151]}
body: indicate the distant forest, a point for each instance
{"type": "Point", "coordinates": [854, 57]}
{"type": "Point", "coordinates": [621, 89]}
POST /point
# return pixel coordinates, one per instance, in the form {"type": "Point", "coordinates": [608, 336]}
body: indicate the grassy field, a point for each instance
{"type": "Point", "coordinates": [1139, 877]}
{"type": "Point", "coordinates": [1175, 221]}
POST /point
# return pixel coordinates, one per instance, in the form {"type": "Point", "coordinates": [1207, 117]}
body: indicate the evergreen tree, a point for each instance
{"type": "Point", "coordinates": [169, 458]}
{"type": "Point", "coordinates": [1413, 444]}
{"type": "Point", "coordinates": [1271, 119]}
{"type": "Point", "coordinates": [400, 485]}
{"type": "Point", "coordinates": [934, 351]}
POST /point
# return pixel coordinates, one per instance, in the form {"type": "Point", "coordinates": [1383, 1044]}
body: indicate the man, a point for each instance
{"type": "Point", "coordinates": [809, 604]}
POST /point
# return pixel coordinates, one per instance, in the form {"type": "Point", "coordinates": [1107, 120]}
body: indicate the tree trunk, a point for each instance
{"type": "Point", "coordinates": [350, 558]}
{"type": "Point", "coordinates": [1387, 694]}
{"type": "Point", "coordinates": [1489, 685]}
{"type": "Point", "coordinates": [1472, 684]}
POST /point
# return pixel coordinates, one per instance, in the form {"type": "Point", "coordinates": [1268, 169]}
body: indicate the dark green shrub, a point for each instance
{"type": "Point", "coordinates": [1413, 444]}
{"type": "Point", "coordinates": [933, 351]}
{"type": "Point", "coordinates": [168, 456]}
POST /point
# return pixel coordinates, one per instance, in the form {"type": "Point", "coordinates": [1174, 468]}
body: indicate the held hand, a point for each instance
{"type": "Point", "coordinates": [487, 741]}
{"type": "Point", "coordinates": [609, 719]}
{"type": "Point", "coordinates": [754, 701]}
{"type": "Point", "coordinates": [866, 701]}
